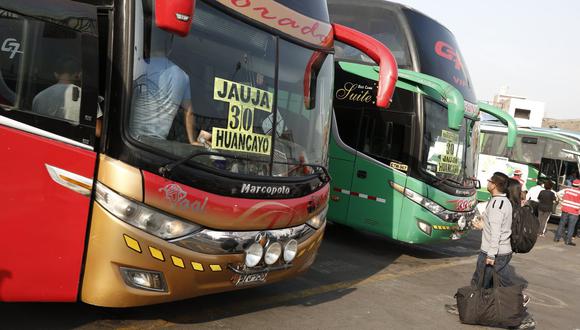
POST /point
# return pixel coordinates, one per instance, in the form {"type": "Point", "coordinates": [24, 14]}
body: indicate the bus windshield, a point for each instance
{"type": "Point", "coordinates": [439, 55]}
{"type": "Point", "coordinates": [379, 22]}
{"type": "Point", "coordinates": [448, 154]}
{"type": "Point", "coordinates": [232, 92]}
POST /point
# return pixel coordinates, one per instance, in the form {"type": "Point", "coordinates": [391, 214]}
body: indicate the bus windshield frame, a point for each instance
{"type": "Point", "coordinates": [448, 154]}
{"type": "Point", "coordinates": [244, 108]}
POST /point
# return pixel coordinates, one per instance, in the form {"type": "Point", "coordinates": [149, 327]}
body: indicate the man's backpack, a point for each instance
{"type": "Point", "coordinates": [525, 227]}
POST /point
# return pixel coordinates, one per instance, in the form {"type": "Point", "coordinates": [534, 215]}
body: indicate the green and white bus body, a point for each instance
{"type": "Point", "coordinates": [407, 172]}
{"type": "Point", "coordinates": [539, 153]}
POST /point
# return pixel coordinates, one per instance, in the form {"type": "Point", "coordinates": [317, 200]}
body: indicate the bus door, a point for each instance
{"type": "Point", "coordinates": [342, 154]}
{"type": "Point", "coordinates": [48, 108]}
{"type": "Point", "coordinates": [384, 145]}
{"type": "Point", "coordinates": [558, 161]}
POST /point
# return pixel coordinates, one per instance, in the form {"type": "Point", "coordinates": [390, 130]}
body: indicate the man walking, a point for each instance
{"type": "Point", "coordinates": [570, 211]}
{"type": "Point", "coordinates": [546, 199]}
{"type": "Point", "coordinates": [496, 249]}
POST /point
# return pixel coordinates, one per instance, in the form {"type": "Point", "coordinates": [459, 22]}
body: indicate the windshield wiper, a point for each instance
{"type": "Point", "coordinates": [167, 169]}
{"type": "Point", "coordinates": [443, 180]}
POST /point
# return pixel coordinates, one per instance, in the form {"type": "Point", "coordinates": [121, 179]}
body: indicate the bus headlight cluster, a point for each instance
{"type": "Point", "coordinates": [461, 218]}
{"type": "Point", "coordinates": [425, 202]}
{"type": "Point", "coordinates": [271, 253]}
{"type": "Point", "coordinates": [141, 216]}
{"type": "Point", "coordinates": [290, 250]}
{"type": "Point", "coordinates": [254, 254]}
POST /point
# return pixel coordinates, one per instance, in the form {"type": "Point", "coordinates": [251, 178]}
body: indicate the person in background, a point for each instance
{"type": "Point", "coordinates": [546, 200]}
{"type": "Point", "coordinates": [533, 194]}
{"type": "Point", "coordinates": [570, 211]}
{"type": "Point", "coordinates": [62, 100]}
{"type": "Point", "coordinates": [518, 176]}
{"type": "Point", "coordinates": [160, 92]}
{"type": "Point", "coordinates": [514, 193]}
{"type": "Point", "coordinates": [571, 177]}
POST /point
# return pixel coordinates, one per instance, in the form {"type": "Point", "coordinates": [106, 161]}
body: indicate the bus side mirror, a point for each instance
{"type": "Point", "coordinates": [174, 16]}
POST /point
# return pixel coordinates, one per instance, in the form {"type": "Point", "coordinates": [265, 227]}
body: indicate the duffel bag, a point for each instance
{"type": "Point", "coordinates": [497, 306]}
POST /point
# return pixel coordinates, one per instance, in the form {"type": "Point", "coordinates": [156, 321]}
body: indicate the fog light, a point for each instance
{"type": "Point", "coordinates": [254, 255]}
{"type": "Point", "coordinates": [425, 227]}
{"type": "Point", "coordinates": [143, 279]}
{"type": "Point", "coordinates": [273, 253]}
{"type": "Point", "coordinates": [290, 250]}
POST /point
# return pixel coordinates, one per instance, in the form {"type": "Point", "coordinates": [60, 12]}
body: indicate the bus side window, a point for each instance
{"type": "Point", "coordinates": [348, 124]}
{"type": "Point", "coordinates": [42, 76]}
{"type": "Point", "coordinates": [385, 136]}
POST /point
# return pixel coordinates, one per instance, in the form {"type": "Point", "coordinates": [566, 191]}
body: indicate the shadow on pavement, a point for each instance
{"type": "Point", "coordinates": [345, 258]}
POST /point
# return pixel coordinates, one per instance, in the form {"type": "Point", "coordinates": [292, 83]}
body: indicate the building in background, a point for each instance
{"type": "Point", "coordinates": [527, 112]}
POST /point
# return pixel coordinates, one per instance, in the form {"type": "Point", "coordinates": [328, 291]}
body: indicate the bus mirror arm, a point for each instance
{"type": "Point", "coordinates": [388, 71]}
{"type": "Point", "coordinates": [505, 119]}
{"type": "Point", "coordinates": [438, 88]}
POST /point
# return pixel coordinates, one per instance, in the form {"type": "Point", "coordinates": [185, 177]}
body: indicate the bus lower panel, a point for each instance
{"type": "Point", "coordinates": [409, 231]}
{"type": "Point", "coordinates": [114, 244]}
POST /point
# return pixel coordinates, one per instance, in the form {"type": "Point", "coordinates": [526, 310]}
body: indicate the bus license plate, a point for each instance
{"type": "Point", "coordinates": [248, 279]}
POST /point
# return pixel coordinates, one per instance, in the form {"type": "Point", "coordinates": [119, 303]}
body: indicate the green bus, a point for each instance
{"type": "Point", "coordinates": [539, 153]}
{"type": "Point", "coordinates": [407, 172]}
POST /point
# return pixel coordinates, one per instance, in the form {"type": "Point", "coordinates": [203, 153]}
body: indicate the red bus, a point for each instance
{"type": "Point", "coordinates": [209, 172]}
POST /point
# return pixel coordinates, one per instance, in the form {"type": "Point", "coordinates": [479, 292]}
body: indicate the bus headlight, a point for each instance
{"type": "Point", "coordinates": [273, 253]}
{"type": "Point", "coordinates": [254, 255]}
{"type": "Point", "coordinates": [425, 202]}
{"type": "Point", "coordinates": [137, 214]}
{"type": "Point", "coordinates": [318, 220]}
{"type": "Point", "coordinates": [290, 250]}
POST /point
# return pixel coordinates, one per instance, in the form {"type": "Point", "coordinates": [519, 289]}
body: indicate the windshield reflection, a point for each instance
{"type": "Point", "coordinates": [219, 93]}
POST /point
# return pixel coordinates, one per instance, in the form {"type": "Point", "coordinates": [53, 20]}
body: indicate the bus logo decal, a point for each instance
{"type": "Point", "coordinates": [283, 19]}
{"type": "Point", "coordinates": [10, 45]}
{"type": "Point", "coordinates": [178, 198]}
{"type": "Point", "coordinates": [463, 205]}
{"type": "Point", "coordinates": [446, 51]}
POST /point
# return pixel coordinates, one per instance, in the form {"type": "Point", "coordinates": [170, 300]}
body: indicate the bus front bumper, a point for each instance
{"type": "Point", "coordinates": [116, 249]}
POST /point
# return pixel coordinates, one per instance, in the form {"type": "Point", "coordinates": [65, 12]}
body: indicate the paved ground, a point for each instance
{"type": "Point", "coordinates": [359, 281]}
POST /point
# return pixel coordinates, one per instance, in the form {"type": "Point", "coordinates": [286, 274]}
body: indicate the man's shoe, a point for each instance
{"type": "Point", "coordinates": [556, 240]}
{"type": "Point", "coordinates": [528, 323]}
{"type": "Point", "coordinates": [526, 299]}
{"type": "Point", "coordinates": [571, 243]}
{"type": "Point", "coordinates": [452, 309]}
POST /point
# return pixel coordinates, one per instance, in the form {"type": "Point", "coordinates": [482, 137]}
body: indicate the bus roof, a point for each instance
{"type": "Point", "coordinates": [572, 138]}
{"type": "Point", "coordinates": [427, 46]}
{"type": "Point", "coordinates": [571, 134]}
{"type": "Point", "coordinates": [383, 4]}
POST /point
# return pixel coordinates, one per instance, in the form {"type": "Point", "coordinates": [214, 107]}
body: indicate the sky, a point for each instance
{"type": "Point", "coordinates": [531, 47]}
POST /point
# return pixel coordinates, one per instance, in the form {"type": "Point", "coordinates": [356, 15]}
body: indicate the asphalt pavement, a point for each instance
{"type": "Point", "coordinates": [359, 281]}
